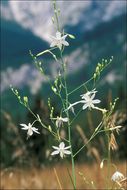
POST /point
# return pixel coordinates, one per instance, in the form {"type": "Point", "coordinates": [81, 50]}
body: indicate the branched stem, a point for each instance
{"type": "Point", "coordinates": [69, 125]}
{"type": "Point", "coordinates": [92, 136]}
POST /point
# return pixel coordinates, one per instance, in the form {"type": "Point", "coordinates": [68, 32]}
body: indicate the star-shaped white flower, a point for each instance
{"type": "Point", "coordinates": [89, 101]}
{"type": "Point", "coordinates": [30, 129]}
{"type": "Point", "coordinates": [59, 40]}
{"type": "Point", "coordinates": [117, 176]}
{"type": "Point", "coordinates": [62, 150]}
{"type": "Point", "coordinates": [60, 121]}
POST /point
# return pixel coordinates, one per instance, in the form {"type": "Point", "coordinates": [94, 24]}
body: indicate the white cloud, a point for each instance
{"type": "Point", "coordinates": [75, 61]}
{"type": "Point", "coordinates": [35, 83]}
{"type": "Point", "coordinates": [26, 75]}
{"type": "Point", "coordinates": [6, 12]}
{"type": "Point", "coordinates": [36, 15]}
{"type": "Point", "coordinates": [114, 8]}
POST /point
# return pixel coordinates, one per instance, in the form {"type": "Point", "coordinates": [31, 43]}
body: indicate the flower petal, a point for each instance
{"type": "Point", "coordinates": [55, 147]}
{"type": "Point", "coordinates": [59, 45]}
{"type": "Point", "coordinates": [67, 147]}
{"type": "Point", "coordinates": [67, 152]}
{"type": "Point", "coordinates": [65, 119]}
{"type": "Point", "coordinates": [96, 101]}
{"type": "Point", "coordinates": [53, 44]}
{"type": "Point", "coordinates": [35, 130]}
{"type": "Point", "coordinates": [61, 145]}
{"type": "Point", "coordinates": [55, 152]}
{"type": "Point", "coordinates": [61, 154]}
{"type": "Point", "coordinates": [85, 106]}
{"type": "Point", "coordinates": [63, 37]}
{"type": "Point", "coordinates": [25, 126]}
{"type": "Point", "coordinates": [65, 43]}
{"type": "Point", "coordinates": [92, 97]}
{"type": "Point", "coordinates": [92, 105]}
{"type": "Point", "coordinates": [29, 132]}
{"type": "Point", "coordinates": [58, 35]}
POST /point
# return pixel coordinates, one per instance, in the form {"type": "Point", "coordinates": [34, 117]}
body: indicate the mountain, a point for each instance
{"type": "Point", "coordinates": [100, 33]}
{"type": "Point", "coordinates": [16, 43]}
{"type": "Point", "coordinates": [86, 13]}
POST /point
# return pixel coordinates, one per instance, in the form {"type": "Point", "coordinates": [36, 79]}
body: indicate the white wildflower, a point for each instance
{"type": "Point", "coordinates": [30, 129]}
{"type": "Point", "coordinates": [87, 99]}
{"type": "Point", "coordinates": [117, 176]}
{"type": "Point", "coordinates": [59, 40]}
{"type": "Point", "coordinates": [62, 150]}
{"type": "Point", "coordinates": [60, 121]}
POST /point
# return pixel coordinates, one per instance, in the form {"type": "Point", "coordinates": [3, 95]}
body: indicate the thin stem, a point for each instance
{"type": "Point", "coordinates": [34, 122]}
{"type": "Point", "coordinates": [70, 177]}
{"type": "Point", "coordinates": [79, 87]}
{"type": "Point", "coordinates": [43, 125]}
{"type": "Point", "coordinates": [92, 136]}
{"type": "Point", "coordinates": [84, 145]}
{"type": "Point", "coordinates": [76, 116]}
{"type": "Point", "coordinates": [56, 16]}
{"type": "Point", "coordinates": [57, 179]}
{"type": "Point", "coordinates": [46, 51]}
{"type": "Point", "coordinates": [69, 126]}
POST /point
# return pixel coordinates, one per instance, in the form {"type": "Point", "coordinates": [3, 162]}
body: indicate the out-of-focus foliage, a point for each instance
{"type": "Point", "coordinates": [16, 150]}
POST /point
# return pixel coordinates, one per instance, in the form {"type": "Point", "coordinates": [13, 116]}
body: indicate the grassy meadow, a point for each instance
{"type": "Point", "coordinates": [89, 176]}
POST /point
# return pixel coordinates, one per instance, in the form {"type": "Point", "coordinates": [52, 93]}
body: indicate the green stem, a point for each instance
{"type": "Point", "coordinates": [92, 136]}
{"type": "Point", "coordinates": [76, 116]}
{"type": "Point", "coordinates": [65, 104]}
{"type": "Point", "coordinates": [55, 11]}
{"type": "Point", "coordinates": [80, 86]}
{"type": "Point", "coordinates": [69, 126]}
{"type": "Point", "coordinates": [43, 125]}
{"type": "Point", "coordinates": [84, 145]}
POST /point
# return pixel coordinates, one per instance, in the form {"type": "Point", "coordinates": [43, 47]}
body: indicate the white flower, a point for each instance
{"type": "Point", "coordinates": [117, 176]}
{"type": "Point", "coordinates": [62, 150]}
{"type": "Point", "coordinates": [59, 40]}
{"type": "Point", "coordinates": [60, 120]}
{"type": "Point", "coordinates": [89, 100]}
{"type": "Point", "coordinates": [30, 129]}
